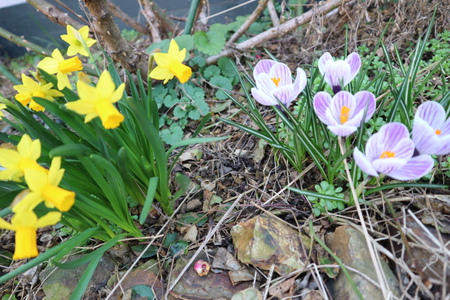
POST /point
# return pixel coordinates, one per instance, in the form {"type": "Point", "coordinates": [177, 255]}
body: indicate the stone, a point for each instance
{"type": "Point", "coordinates": [59, 284]}
{"type": "Point", "coordinates": [350, 246]}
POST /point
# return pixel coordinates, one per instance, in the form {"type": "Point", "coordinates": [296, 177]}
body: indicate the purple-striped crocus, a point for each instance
{"type": "Point", "coordinates": [431, 131]}
{"type": "Point", "coordinates": [274, 81]}
{"type": "Point", "coordinates": [390, 152]}
{"type": "Point", "coordinates": [339, 73]}
{"type": "Point", "coordinates": [344, 112]}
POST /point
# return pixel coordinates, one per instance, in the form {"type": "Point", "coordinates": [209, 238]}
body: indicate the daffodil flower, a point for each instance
{"type": "Point", "coordinates": [31, 88]}
{"type": "Point", "coordinates": [43, 185]}
{"type": "Point", "coordinates": [339, 73]}
{"type": "Point", "coordinates": [390, 152]}
{"type": "Point", "coordinates": [61, 67]}
{"type": "Point", "coordinates": [344, 112]}
{"type": "Point", "coordinates": [16, 161]}
{"type": "Point", "coordinates": [170, 65]}
{"type": "Point", "coordinates": [25, 223]}
{"type": "Point", "coordinates": [274, 81]}
{"type": "Point", "coordinates": [431, 129]}
{"type": "Point", "coordinates": [2, 106]}
{"type": "Point", "coordinates": [99, 101]}
{"type": "Point", "coordinates": [78, 40]}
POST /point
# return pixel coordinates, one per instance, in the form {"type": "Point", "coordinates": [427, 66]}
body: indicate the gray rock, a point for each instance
{"type": "Point", "coordinates": [59, 284]}
{"type": "Point", "coordinates": [351, 247]}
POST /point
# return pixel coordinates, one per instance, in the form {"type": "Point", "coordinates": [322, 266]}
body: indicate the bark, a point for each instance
{"type": "Point", "coordinates": [54, 14]}
{"type": "Point", "coordinates": [112, 40]}
{"type": "Point", "coordinates": [281, 30]}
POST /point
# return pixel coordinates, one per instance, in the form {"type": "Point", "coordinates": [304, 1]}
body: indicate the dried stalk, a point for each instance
{"type": "Point", "coordinates": [116, 11]}
{"type": "Point", "coordinates": [54, 14]}
{"type": "Point", "coordinates": [273, 13]}
{"type": "Point", "coordinates": [167, 24]}
{"type": "Point", "coordinates": [151, 18]}
{"type": "Point", "coordinates": [119, 49]}
{"type": "Point", "coordinates": [280, 30]}
{"type": "Point", "coordinates": [252, 18]}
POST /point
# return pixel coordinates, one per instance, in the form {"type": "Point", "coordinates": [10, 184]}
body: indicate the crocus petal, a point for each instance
{"type": "Point", "coordinates": [403, 149]}
{"type": "Point", "coordinates": [263, 66]}
{"type": "Point", "coordinates": [337, 74]}
{"type": "Point", "coordinates": [431, 112]}
{"type": "Point", "coordinates": [354, 62]}
{"type": "Point", "coordinates": [391, 133]}
{"type": "Point", "coordinates": [340, 100]}
{"type": "Point", "coordinates": [322, 101]}
{"type": "Point", "coordinates": [444, 148]}
{"type": "Point", "coordinates": [323, 61]}
{"type": "Point", "coordinates": [284, 94]}
{"type": "Point", "coordinates": [415, 168]}
{"type": "Point", "coordinates": [342, 130]}
{"type": "Point", "coordinates": [363, 99]}
{"type": "Point", "coordinates": [388, 165]}
{"type": "Point", "coordinates": [445, 128]}
{"type": "Point", "coordinates": [300, 82]}
{"type": "Point", "coordinates": [264, 82]}
{"type": "Point", "coordinates": [281, 71]}
{"type": "Point", "coordinates": [424, 137]}
{"type": "Point", "coordinates": [263, 98]}
{"type": "Point", "coordinates": [363, 163]}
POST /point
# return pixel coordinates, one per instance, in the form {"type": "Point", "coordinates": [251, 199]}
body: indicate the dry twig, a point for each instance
{"type": "Point", "coordinates": [116, 11]}
{"type": "Point", "coordinates": [54, 14]}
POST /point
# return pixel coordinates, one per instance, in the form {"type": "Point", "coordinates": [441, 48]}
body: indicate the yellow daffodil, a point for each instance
{"type": "Point", "coordinates": [31, 88]}
{"type": "Point", "coordinates": [25, 223]}
{"type": "Point", "coordinates": [61, 67]}
{"type": "Point", "coordinates": [43, 185]}
{"type": "Point", "coordinates": [170, 65]}
{"type": "Point", "coordinates": [98, 101]}
{"type": "Point", "coordinates": [78, 40]}
{"type": "Point", "coordinates": [2, 106]}
{"type": "Point", "coordinates": [16, 161]}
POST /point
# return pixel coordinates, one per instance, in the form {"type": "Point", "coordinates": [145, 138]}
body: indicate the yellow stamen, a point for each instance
{"type": "Point", "coordinates": [438, 132]}
{"type": "Point", "coordinates": [276, 80]}
{"type": "Point", "coordinates": [345, 114]}
{"type": "Point", "coordinates": [387, 154]}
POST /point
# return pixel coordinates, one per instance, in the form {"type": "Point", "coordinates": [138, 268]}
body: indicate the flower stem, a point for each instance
{"type": "Point", "coordinates": [373, 254]}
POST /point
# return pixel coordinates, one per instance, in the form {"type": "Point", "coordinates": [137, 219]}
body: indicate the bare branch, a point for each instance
{"type": "Point", "coordinates": [119, 49]}
{"type": "Point", "coordinates": [54, 14]}
{"type": "Point", "coordinates": [152, 20]}
{"type": "Point", "coordinates": [252, 18]}
{"type": "Point", "coordinates": [280, 30]}
{"type": "Point", "coordinates": [116, 11]}
{"type": "Point", "coordinates": [273, 13]}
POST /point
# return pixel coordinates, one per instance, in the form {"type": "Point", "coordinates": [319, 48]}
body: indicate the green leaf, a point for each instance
{"type": "Point", "coordinates": [142, 291]}
{"type": "Point", "coordinates": [178, 248]}
{"type": "Point", "coordinates": [172, 136]}
{"type": "Point", "coordinates": [194, 218]}
{"type": "Point", "coordinates": [227, 67]}
{"type": "Point", "coordinates": [151, 251]}
{"type": "Point", "coordinates": [70, 150]}
{"type": "Point", "coordinates": [152, 186]}
{"type": "Point", "coordinates": [211, 71]}
{"type": "Point", "coordinates": [209, 42]}
{"type": "Point", "coordinates": [221, 82]}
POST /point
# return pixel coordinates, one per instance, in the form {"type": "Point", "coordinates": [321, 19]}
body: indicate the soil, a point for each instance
{"type": "Point", "coordinates": [229, 168]}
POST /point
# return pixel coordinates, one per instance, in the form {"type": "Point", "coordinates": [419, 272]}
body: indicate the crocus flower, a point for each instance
{"type": "Point", "coordinates": [78, 40]}
{"type": "Point", "coordinates": [390, 152]}
{"type": "Point", "coordinates": [344, 112]}
{"type": "Point", "coordinates": [43, 185]}
{"type": "Point", "coordinates": [431, 131]}
{"type": "Point", "coordinates": [170, 65]}
{"type": "Point", "coordinates": [339, 73]}
{"type": "Point", "coordinates": [16, 161]}
{"type": "Point", "coordinates": [61, 67]}
{"type": "Point", "coordinates": [31, 88]}
{"type": "Point", "coordinates": [25, 223]}
{"type": "Point", "coordinates": [99, 101]}
{"type": "Point", "coordinates": [274, 81]}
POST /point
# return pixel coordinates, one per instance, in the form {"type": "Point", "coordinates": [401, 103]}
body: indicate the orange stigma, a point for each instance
{"type": "Point", "coordinates": [345, 114]}
{"type": "Point", "coordinates": [276, 80]}
{"type": "Point", "coordinates": [387, 154]}
{"type": "Point", "coordinates": [437, 131]}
